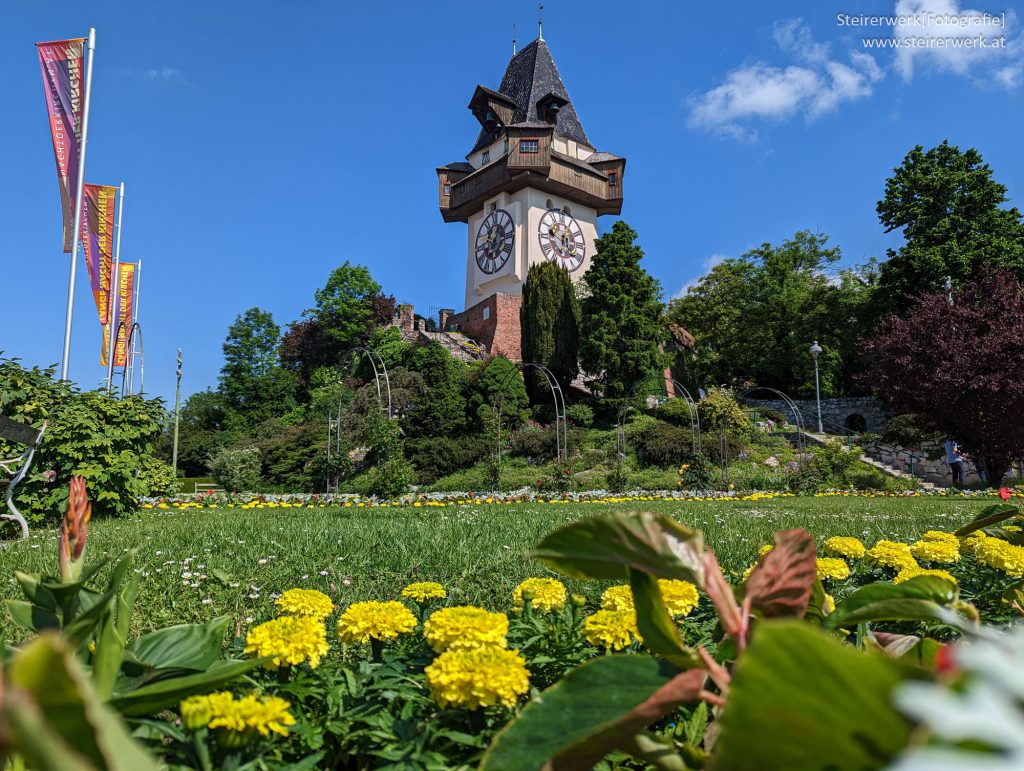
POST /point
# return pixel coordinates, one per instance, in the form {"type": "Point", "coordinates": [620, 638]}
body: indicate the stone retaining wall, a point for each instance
{"type": "Point", "coordinates": [857, 413]}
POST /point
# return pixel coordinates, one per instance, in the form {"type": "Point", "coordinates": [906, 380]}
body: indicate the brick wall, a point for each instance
{"type": "Point", "coordinates": [494, 324]}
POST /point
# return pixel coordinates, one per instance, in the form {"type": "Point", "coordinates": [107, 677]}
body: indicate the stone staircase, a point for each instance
{"type": "Point", "coordinates": [888, 469]}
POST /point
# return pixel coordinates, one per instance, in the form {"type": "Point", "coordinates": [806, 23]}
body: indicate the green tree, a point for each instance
{"type": "Point", "coordinates": [549, 319]}
{"type": "Point", "coordinates": [951, 212]}
{"type": "Point", "coordinates": [495, 378]}
{"type": "Point", "coordinates": [345, 305]}
{"type": "Point", "coordinates": [253, 383]}
{"type": "Point", "coordinates": [754, 317]}
{"type": "Point", "coordinates": [621, 327]}
{"type": "Point", "coordinates": [442, 412]}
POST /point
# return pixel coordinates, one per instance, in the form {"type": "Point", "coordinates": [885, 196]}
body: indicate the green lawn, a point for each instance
{"type": "Point", "coordinates": [202, 563]}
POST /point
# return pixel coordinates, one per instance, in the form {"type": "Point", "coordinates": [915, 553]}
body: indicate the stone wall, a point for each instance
{"type": "Point", "coordinates": [857, 413]}
{"type": "Point", "coordinates": [919, 461]}
{"type": "Point", "coordinates": [494, 325]}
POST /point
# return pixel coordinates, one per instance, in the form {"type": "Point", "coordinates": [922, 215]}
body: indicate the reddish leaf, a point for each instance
{"type": "Point", "coordinates": [722, 597]}
{"type": "Point", "coordinates": [781, 583]}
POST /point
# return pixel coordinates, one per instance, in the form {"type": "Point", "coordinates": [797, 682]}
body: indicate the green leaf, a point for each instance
{"type": "Point", "coordinates": [656, 627]}
{"type": "Point", "coordinates": [989, 516]}
{"type": "Point", "coordinates": [607, 546]}
{"type": "Point", "coordinates": [55, 718]}
{"type": "Point", "coordinates": [595, 708]}
{"type": "Point", "coordinates": [167, 693]}
{"type": "Point", "coordinates": [34, 618]}
{"type": "Point", "coordinates": [184, 646]}
{"type": "Point", "coordinates": [920, 599]}
{"type": "Point", "coordinates": [801, 700]}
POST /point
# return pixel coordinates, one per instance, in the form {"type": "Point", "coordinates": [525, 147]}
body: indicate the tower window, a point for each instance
{"type": "Point", "coordinates": [567, 210]}
{"type": "Point", "coordinates": [504, 147]}
{"type": "Point", "coordinates": [613, 179]}
{"type": "Point", "coordinates": [529, 146]}
{"type": "Point", "coordinates": [486, 157]}
{"type": "Point", "coordinates": [447, 188]}
{"type": "Point", "coordinates": [491, 207]}
{"type": "Point", "coordinates": [548, 204]}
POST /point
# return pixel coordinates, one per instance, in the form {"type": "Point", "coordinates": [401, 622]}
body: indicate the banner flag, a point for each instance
{"type": "Point", "coordinates": [124, 302]}
{"type": "Point", "coordinates": [63, 65]}
{"type": "Point", "coordinates": [98, 237]}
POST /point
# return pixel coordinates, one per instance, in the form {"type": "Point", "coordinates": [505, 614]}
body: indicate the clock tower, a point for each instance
{"type": "Point", "coordinates": [531, 189]}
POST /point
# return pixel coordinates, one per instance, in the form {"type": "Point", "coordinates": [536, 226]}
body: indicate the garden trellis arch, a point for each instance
{"type": "Point", "coordinates": [691, 407]}
{"type": "Point", "coordinates": [380, 372]}
{"type": "Point", "coordinates": [561, 429]}
{"type": "Point", "coordinates": [800, 440]}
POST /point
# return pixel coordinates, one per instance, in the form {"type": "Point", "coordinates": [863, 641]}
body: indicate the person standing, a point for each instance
{"type": "Point", "coordinates": [955, 460]}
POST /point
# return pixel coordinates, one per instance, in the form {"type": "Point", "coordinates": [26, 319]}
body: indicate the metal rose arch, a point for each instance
{"type": "Point", "coordinates": [561, 427]}
{"type": "Point", "coordinates": [691, 407]}
{"type": "Point", "coordinates": [800, 439]}
{"type": "Point", "coordinates": [380, 372]}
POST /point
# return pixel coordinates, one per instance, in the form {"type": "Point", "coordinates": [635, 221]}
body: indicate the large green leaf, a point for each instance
{"type": "Point", "coordinates": [28, 615]}
{"type": "Point", "coordinates": [607, 546]}
{"type": "Point", "coordinates": [594, 709]}
{"type": "Point", "coordinates": [184, 646]}
{"type": "Point", "coordinates": [656, 627]}
{"type": "Point", "coordinates": [799, 699]}
{"type": "Point", "coordinates": [920, 599]}
{"type": "Point", "coordinates": [989, 516]}
{"type": "Point", "coordinates": [167, 693]}
{"type": "Point", "coordinates": [55, 718]}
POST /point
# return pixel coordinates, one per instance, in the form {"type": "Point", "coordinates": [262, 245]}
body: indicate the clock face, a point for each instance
{"type": "Point", "coordinates": [494, 241]}
{"type": "Point", "coordinates": [561, 239]}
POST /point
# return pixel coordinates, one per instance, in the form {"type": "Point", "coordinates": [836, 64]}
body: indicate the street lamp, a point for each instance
{"type": "Point", "coordinates": [814, 350]}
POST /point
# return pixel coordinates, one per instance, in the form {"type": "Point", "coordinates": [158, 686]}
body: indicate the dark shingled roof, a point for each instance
{"type": "Point", "coordinates": [598, 157]}
{"type": "Point", "coordinates": [458, 166]}
{"type": "Point", "coordinates": [530, 76]}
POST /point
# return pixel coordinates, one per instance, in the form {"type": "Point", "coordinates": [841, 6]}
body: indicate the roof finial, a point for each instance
{"type": "Point", "coordinates": [513, 39]}
{"type": "Point", "coordinates": [540, 22]}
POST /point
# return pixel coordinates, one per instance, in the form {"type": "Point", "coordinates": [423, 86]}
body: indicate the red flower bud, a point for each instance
{"type": "Point", "coordinates": [1004, 493]}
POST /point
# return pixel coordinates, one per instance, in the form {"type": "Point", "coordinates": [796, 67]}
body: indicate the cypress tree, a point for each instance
{"type": "Point", "coordinates": [549, 320]}
{"type": "Point", "coordinates": [621, 319]}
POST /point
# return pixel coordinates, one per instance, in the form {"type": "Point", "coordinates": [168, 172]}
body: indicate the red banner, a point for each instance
{"type": "Point", "coordinates": [98, 237]}
{"type": "Point", "coordinates": [124, 305]}
{"type": "Point", "coordinates": [63, 65]}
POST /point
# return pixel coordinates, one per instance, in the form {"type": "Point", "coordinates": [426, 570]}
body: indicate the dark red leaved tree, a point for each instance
{"type": "Point", "coordinates": [960, 363]}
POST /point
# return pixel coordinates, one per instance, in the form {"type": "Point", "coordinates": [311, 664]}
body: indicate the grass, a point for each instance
{"type": "Point", "coordinates": [203, 563]}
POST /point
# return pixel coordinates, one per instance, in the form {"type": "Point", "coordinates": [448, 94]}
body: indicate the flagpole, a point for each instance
{"type": "Point", "coordinates": [112, 297]}
{"type": "Point", "coordinates": [131, 333]}
{"type": "Point", "coordinates": [65, 361]}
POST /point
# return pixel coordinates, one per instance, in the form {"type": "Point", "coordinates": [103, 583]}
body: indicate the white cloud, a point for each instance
{"type": "Point", "coordinates": [164, 73]}
{"type": "Point", "coordinates": [941, 35]}
{"type": "Point", "coordinates": [707, 265]}
{"type": "Point", "coordinates": [813, 86]}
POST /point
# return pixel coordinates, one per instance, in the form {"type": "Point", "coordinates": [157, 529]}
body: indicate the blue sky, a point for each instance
{"type": "Point", "coordinates": [262, 144]}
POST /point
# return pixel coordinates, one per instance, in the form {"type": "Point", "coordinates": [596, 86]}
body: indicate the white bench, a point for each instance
{"type": "Point", "coordinates": [16, 468]}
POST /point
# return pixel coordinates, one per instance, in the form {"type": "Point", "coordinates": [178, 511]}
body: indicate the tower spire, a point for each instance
{"type": "Point", "coordinates": [513, 39]}
{"type": "Point", "coordinates": [540, 22]}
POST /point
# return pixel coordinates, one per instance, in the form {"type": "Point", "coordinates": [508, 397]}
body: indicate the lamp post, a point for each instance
{"type": "Point", "coordinates": [814, 350]}
{"type": "Point", "coordinates": [177, 415]}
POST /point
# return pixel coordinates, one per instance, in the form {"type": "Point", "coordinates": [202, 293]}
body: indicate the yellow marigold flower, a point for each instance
{"type": "Point", "coordinates": [363, 621]}
{"type": "Point", "coordinates": [1001, 555]}
{"type": "Point", "coordinates": [832, 568]}
{"type": "Point", "coordinates": [765, 549]}
{"type": "Point", "coordinates": [680, 596]}
{"type": "Point", "coordinates": [617, 598]}
{"type": "Point", "coordinates": [464, 627]}
{"type": "Point", "coordinates": [306, 602]}
{"type": "Point", "coordinates": [196, 712]}
{"type": "Point", "coordinates": [548, 594]}
{"type": "Point", "coordinates": [290, 640]}
{"type": "Point", "coordinates": [612, 629]}
{"type": "Point", "coordinates": [481, 677]}
{"type": "Point", "coordinates": [845, 546]}
{"type": "Point", "coordinates": [969, 543]}
{"type": "Point", "coordinates": [938, 535]}
{"type": "Point", "coordinates": [747, 572]}
{"type": "Point", "coordinates": [907, 573]}
{"type": "Point", "coordinates": [936, 551]}
{"type": "Point", "coordinates": [250, 714]}
{"type": "Point", "coordinates": [829, 604]}
{"type": "Point", "coordinates": [423, 592]}
{"type": "Point", "coordinates": [892, 554]}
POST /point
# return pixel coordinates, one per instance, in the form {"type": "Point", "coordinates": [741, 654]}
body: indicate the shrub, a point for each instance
{"type": "Point", "coordinates": [440, 456]}
{"type": "Point", "coordinates": [581, 414]}
{"type": "Point", "coordinates": [538, 444]}
{"type": "Point", "coordinates": [89, 434]}
{"type": "Point", "coordinates": [287, 454]}
{"type": "Point", "coordinates": [393, 473]}
{"type": "Point", "coordinates": [697, 474]}
{"type": "Point", "coordinates": [663, 444]}
{"type": "Point", "coordinates": [721, 411]}
{"type": "Point", "coordinates": [910, 430]}
{"type": "Point", "coordinates": [236, 468]}
{"type": "Point", "coordinates": [833, 462]}
{"type": "Point", "coordinates": [157, 476]}
{"type": "Point", "coordinates": [675, 411]}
